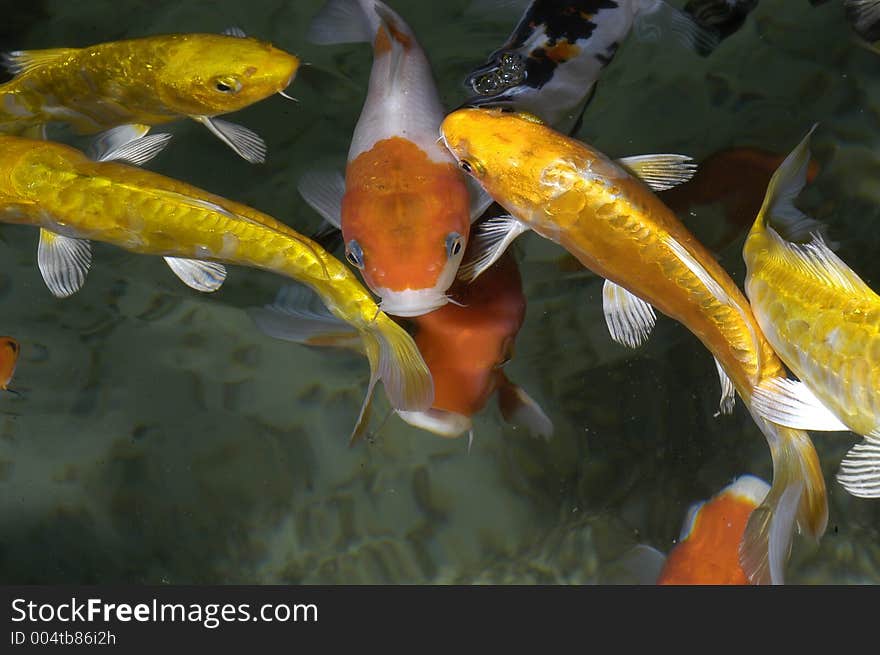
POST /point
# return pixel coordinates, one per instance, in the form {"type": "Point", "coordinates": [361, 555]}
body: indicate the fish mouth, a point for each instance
{"type": "Point", "coordinates": [409, 303]}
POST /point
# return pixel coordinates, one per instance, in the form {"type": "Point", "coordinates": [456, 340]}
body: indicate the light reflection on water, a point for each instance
{"type": "Point", "coordinates": [161, 438]}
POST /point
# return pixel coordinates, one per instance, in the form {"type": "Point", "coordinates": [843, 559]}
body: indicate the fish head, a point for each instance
{"type": "Point", "coordinates": [405, 224]}
{"type": "Point", "coordinates": [508, 153]}
{"type": "Point", "coordinates": [213, 74]}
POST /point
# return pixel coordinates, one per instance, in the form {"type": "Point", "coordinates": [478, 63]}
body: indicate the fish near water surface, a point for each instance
{"type": "Point", "coordinates": [824, 322]}
{"type": "Point", "coordinates": [707, 552]}
{"type": "Point", "coordinates": [574, 195]}
{"type": "Point", "coordinates": [146, 81]}
{"type": "Point", "coordinates": [75, 199]}
{"type": "Point", "coordinates": [403, 207]}
{"type": "Point", "coordinates": [556, 53]}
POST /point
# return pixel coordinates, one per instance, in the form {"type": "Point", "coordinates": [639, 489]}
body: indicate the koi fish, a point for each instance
{"type": "Point", "coordinates": [596, 209]}
{"type": "Point", "coordinates": [404, 208]}
{"type": "Point", "coordinates": [147, 81]}
{"type": "Point", "coordinates": [553, 58]}
{"type": "Point", "coordinates": [707, 552]}
{"type": "Point", "coordinates": [465, 345]}
{"type": "Point", "coordinates": [76, 199]}
{"type": "Point", "coordinates": [822, 320]}
{"type": "Point", "coordinates": [9, 350]}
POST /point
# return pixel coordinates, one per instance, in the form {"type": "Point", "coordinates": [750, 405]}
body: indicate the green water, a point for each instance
{"type": "Point", "coordinates": [160, 437]}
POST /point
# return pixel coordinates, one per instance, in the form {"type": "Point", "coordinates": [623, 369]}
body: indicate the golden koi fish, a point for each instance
{"type": "Point", "coordinates": [574, 195]}
{"type": "Point", "coordinates": [822, 320]}
{"type": "Point", "coordinates": [147, 81]}
{"type": "Point", "coordinates": [59, 189]}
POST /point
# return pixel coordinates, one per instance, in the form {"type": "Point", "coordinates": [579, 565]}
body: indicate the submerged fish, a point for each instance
{"type": "Point", "coordinates": [864, 16]}
{"type": "Point", "coordinates": [465, 345]}
{"type": "Point", "coordinates": [147, 81]}
{"type": "Point", "coordinates": [574, 195]}
{"type": "Point", "coordinates": [75, 199]}
{"type": "Point", "coordinates": [707, 552]}
{"type": "Point", "coordinates": [822, 320]}
{"type": "Point", "coordinates": [404, 208]}
{"type": "Point", "coordinates": [9, 350]}
{"type": "Point", "coordinates": [552, 60]}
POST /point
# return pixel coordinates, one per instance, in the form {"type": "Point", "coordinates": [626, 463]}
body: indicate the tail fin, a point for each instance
{"type": "Point", "coordinates": [395, 359]}
{"type": "Point", "coordinates": [343, 21]}
{"type": "Point", "coordinates": [797, 496]}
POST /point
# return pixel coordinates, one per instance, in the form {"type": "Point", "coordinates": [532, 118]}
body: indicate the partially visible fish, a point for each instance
{"type": "Point", "coordinates": [554, 56]}
{"type": "Point", "coordinates": [822, 320]}
{"type": "Point", "coordinates": [145, 82]}
{"type": "Point", "coordinates": [707, 552]}
{"type": "Point", "coordinates": [9, 350]}
{"type": "Point", "coordinates": [404, 208]}
{"type": "Point", "coordinates": [595, 208]}
{"type": "Point", "coordinates": [864, 16]}
{"type": "Point", "coordinates": [76, 200]}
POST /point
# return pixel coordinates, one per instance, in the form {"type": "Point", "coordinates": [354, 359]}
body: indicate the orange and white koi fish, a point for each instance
{"type": "Point", "coordinates": [707, 552]}
{"type": "Point", "coordinates": [822, 320]}
{"type": "Point", "coordinates": [76, 200]}
{"type": "Point", "coordinates": [574, 195]}
{"type": "Point", "coordinates": [404, 208]}
{"type": "Point", "coordinates": [465, 345]}
{"type": "Point", "coordinates": [144, 82]}
{"type": "Point", "coordinates": [9, 350]}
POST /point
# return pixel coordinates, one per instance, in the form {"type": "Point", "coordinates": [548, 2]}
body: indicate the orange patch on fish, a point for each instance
{"type": "Point", "coordinates": [400, 206]}
{"type": "Point", "coordinates": [710, 553]}
{"type": "Point", "coordinates": [9, 349]}
{"type": "Point", "coordinates": [562, 52]}
{"type": "Point", "coordinates": [382, 44]}
{"type": "Point", "coordinates": [465, 346]}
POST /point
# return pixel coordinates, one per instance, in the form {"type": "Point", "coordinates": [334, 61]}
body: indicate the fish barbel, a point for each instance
{"type": "Point", "coordinates": [574, 195]}
{"type": "Point", "coordinates": [59, 189]}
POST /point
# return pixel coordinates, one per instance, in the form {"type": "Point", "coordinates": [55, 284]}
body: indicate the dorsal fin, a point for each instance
{"type": "Point", "coordinates": [24, 61]}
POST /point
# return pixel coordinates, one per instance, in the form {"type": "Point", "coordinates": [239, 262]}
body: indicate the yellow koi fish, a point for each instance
{"type": "Point", "coordinates": [403, 207]}
{"type": "Point", "coordinates": [822, 320]}
{"type": "Point", "coordinates": [602, 214]}
{"type": "Point", "coordinates": [59, 189]}
{"type": "Point", "coordinates": [146, 81]}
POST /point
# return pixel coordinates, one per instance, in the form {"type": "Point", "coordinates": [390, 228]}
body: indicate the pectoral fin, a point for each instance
{"type": "Point", "coordinates": [490, 239]}
{"type": "Point", "coordinates": [480, 200]}
{"type": "Point", "coordinates": [860, 469]}
{"type": "Point", "coordinates": [63, 262]}
{"type": "Point", "coordinates": [246, 143]}
{"type": "Point", "coordinates": [728, 393]}
{"type": "Point", "coordinates": [664, 19]}
{"type": "Point", "coordinates": [629, 318]}
{"type": "Point", "coordinates": [129, 144]}
{"type": "Point", "coordinates": [520, 410]}
{"type": "Point", "coordinates": [323, 190]}
{"type": "Point", "coordinates": [234, 31]}
{"type": "Point", "coordinates": [660, 172]}
{"type": "Point", "coordinates": [792, 404]}
{"type": "Point", "coordinates": [197, 274]}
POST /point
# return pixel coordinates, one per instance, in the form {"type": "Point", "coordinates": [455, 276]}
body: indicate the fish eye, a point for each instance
{"type": "Point", "coordinates": [227, 85]}
{"type": "Point", "coordinates": [354, 254]}
{"type": "Point", "coordinates": [466, 166]}
{"type": "Point", "coordinates": [453, 244]}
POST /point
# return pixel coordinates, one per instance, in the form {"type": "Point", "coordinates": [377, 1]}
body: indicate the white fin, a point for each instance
{"type": "Point", "coordinates": [490, 239]}
{"type": "Point", "coordinates": [246, 143]}
{"type": "Point", "coordinates": [792, 404]}
{"type": "Point", "coordinates": [818, 261]}
{"type": "Point", "coordinates": [780, 532]}
{"type": "Point", "coordinates": [480, 199]}
{"type": "Point", "coordinates": [112, 139]}
{"type": "Point", "coordinates": [323, 190]}
{"type": "Point", "coordinates": [664, 18]}
{"type": "Point", "coordinates": [629, 318]}
{"type": "Point", "coordinates": [24, 61]}
{"type": "Point", "coordinates": [439, 421]}
{"type": "Point", "coordinates": [234, 31]}
{"type": "Point", "coordinates": [137, 151]}
{"type": "Point", "coordinates": [521, 410]}
{"type": "Point", "coordinates": [642, 565]}
{"type": "Point", "coordinates": [728, 393]}
{"type": "Point", "coordinates": [787, 182]}
{"type": "Point", "coordinates": [660, 172]}
{"type": "Point", "coordinates": [197, 274]}
{"type": "Point", "coordinates": [340, 21]}
{"type": "Point", "coordinates": [298, 315]}
{"type": "Point", "coordinates": [690, 520]}
{"type": "Point", "coordinates": [63, 262]}
{"type": "Point", "coordinates": [860, 469]}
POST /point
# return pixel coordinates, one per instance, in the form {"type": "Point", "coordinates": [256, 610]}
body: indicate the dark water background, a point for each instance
{"type": "Point", "coordinates": [161, 438]}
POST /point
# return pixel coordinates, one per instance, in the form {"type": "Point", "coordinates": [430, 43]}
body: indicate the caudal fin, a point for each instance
{"type": "Point", "coordinates": [396, 361]}
{"type": "Point", "coordinates": [797, 497]}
